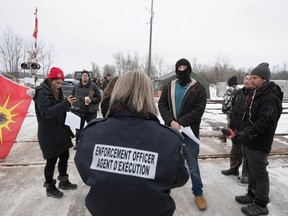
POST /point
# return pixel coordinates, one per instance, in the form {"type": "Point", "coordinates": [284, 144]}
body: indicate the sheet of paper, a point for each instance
{"type": "Point", "coordinates": [72, 120]}
{"type": "Point", "coordinates": [189, 133]}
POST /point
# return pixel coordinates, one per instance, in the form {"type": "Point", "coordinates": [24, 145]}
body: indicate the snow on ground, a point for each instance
{"type": "Point", "coordinates": [21, 177]}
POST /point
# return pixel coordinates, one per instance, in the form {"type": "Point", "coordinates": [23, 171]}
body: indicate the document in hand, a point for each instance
{"type": "Point", "coordinates": [189, 133]}
{"type": "Point", "coordinates": [72, 120]}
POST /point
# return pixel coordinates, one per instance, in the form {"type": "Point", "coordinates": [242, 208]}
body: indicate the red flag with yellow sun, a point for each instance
{"type": "Point", "coordinates": [14, 104]}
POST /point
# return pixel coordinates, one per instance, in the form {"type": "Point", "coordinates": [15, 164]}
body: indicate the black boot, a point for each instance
{"type": "Point", "coordinates": [247, 198]}
{"type": "Point", "coordinates": [255, 210]}
{"type": "Point", "coordinates": [230, 171]}
{"type": "Point", "coordinates": [52, 190]}
{"type": "Point", "coordinates": [65, 184]}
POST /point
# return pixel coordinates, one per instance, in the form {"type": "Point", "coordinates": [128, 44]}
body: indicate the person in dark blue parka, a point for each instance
{"type": "Point", "coordinates": [130, 161]}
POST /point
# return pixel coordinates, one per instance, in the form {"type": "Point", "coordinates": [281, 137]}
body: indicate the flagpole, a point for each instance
{"type": "Point", "coordinates": [33, 54]}
{"type": "Point", "coordinates": [35, 29]}
{"type": "Point", "coordinates": [32, 59]}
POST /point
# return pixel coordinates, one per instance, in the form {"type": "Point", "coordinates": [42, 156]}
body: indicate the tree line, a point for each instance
{"type": "Point", "coordinates": [14, 50]}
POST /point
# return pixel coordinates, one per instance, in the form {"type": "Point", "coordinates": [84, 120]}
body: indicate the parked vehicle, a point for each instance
{"type": "Point", "coordinates": [68, 85]}
{"type": "Point", "coordinates": [77, 75]}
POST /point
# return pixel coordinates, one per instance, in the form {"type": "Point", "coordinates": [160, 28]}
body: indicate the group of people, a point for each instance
{"type": "Point", "coordinates": [130, 160]}
{"type": "Point", "coordinates": [253, 117]}
{"type": "Point", "coordinates": [232, 107]}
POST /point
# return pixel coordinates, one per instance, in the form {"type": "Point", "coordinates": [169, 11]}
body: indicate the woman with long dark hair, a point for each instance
{"type": "Point", "coordinates": [53, 135]}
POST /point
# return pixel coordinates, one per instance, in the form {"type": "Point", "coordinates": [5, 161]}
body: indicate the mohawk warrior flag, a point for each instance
{"type": "Point", "coordinates": [35, 28]}
{"type": "Point", "coordinates": [14, 104]}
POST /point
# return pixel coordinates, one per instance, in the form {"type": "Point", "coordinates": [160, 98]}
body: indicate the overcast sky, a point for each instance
{"type": "Point", "coordinates": [244, 32]}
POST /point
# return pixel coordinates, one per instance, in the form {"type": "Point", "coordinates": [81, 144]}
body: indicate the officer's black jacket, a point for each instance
{"type": "Point", "coordinates": [120, 184]}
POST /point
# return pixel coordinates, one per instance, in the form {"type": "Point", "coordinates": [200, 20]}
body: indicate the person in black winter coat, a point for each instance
{"type": "Point", "coordinates": [53, 135]}
{"type": "Point", "coordinates": [130, 161]}
{"type": "Point", "coordinates": [235, 123]}
{"type": "Point", "coordinates": [263, 108]}
{"type": "Point", "coordinates": [182, 103]}
{"type": "Point", "coordinates": [88, 98]}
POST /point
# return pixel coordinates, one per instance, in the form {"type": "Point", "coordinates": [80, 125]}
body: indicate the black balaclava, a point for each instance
{"type": "Point", "coordinates": [183, 76]}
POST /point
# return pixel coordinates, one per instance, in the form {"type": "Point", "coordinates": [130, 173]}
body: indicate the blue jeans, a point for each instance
{"type": "Point", "coordinates": [191, 152]}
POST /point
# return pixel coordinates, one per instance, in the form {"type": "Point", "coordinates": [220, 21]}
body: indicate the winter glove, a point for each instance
{"type": "Point", "coordinates": [240, 138]}
{"type": "Point", "coordinates": [228, 132]}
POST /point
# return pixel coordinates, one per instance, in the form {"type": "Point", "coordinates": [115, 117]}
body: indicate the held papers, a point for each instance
{"type": "Point", "coordinates": [72, 120]}
{"type": "Point", "coordinates": [190, 134]}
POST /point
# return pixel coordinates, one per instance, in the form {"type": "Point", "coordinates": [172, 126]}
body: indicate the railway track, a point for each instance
{"type": "Point", "coordinates": [202, 156]}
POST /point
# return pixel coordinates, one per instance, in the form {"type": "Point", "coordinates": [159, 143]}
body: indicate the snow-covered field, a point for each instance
{"type": "Point", "coordinates": [21, 176]}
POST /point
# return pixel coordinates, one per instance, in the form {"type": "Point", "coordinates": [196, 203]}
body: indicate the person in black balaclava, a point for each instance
{"type": "Point", "coordinates": [182, 103]}
{"type": "Point", "coordinates": [183, 71]}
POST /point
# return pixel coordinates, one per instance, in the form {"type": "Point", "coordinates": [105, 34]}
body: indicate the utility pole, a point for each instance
{"type": "Point", "coordinates": [150, 38]}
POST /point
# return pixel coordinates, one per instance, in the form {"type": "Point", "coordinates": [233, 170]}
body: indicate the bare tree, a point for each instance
{"type": "Point", "coordinates": [45, 57]}
{"type": "Point", "coordinates": [279, 73]}
{"type": "Point", "coordinates": [159, 66]}
{"type": "Point", "coordinates": [11, 46]}
{"type": "Point", "coordinates": [222, 70]}
{"type": "Point", "coordinates": [118, 64]}
{"type": "Point", "coordinates": [96, 70]}
{"type": "Point", "coordinates": [126, 63]}
{"type": "Point", "coordinates": [14, 50]}
{"type": "Point", "coordinates": [109, 69]}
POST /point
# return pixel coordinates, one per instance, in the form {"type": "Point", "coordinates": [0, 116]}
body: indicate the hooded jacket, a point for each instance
{"type": "Point", "coordinates": [131, 164]}
{"type": "Point", "coordinates": [192, 107]}
{"type": "Point", "coordinates": [53, 135]}
{"type": "Point", "coordinates": [261, 116]}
